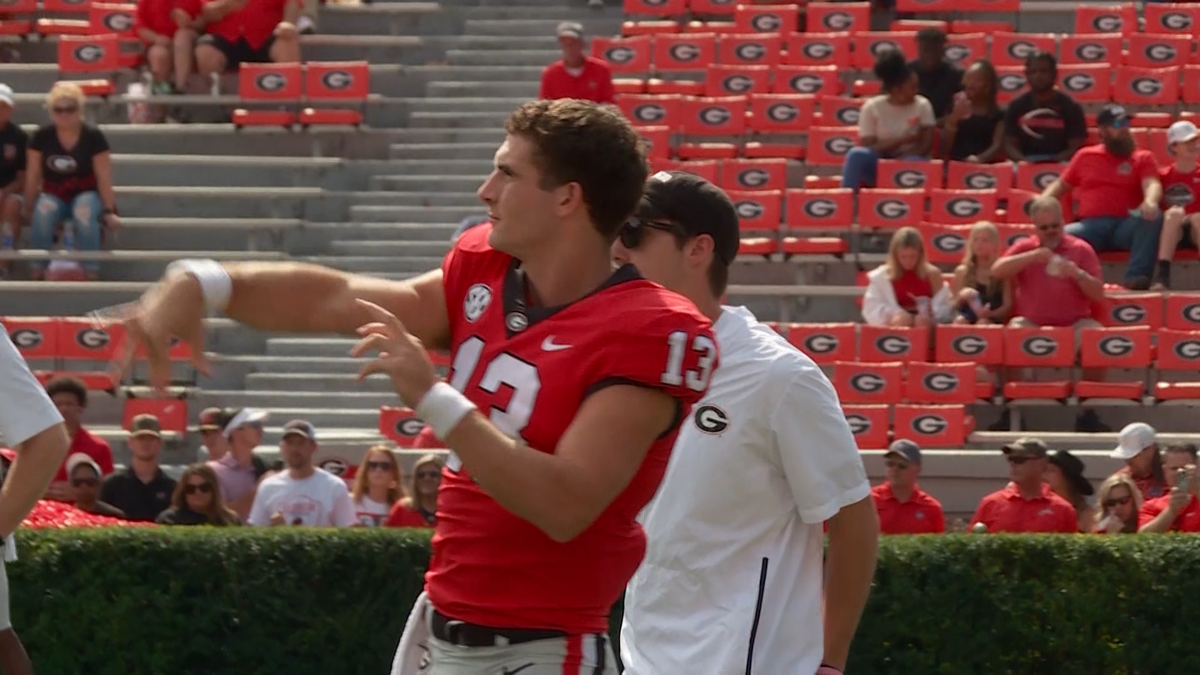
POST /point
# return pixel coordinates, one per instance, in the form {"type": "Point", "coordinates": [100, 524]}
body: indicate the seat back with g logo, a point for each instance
{"type": "Point", "coordinates": [933, 426]}
{"type": "Point", "coordinates": [1039, 347]}
{"type": "Point", "coordinates": [858, 382]}
{"type": "Point", "coordinates": [879, 344]}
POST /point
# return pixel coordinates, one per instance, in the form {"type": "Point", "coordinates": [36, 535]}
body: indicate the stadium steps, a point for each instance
{"type": "Point", "coordinates": [436, 199]}
{"type": "Point", "coordinates": [534, 28]}
{"type": "Point", "coordinates": [425, 183]}
{"type": "Point", "coordinates": [422, 214]}
{"type": "Point", "coordinates": [517, 57]}
{"type": "Point", "coordinates": [393, 257]}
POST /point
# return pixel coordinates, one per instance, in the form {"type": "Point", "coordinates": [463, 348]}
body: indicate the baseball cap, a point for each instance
{"type": "Point", "coordinates": [1181, 132]}
{"type": "Point", "coordinates": [80, 458]}
{"type": "Point", "coordinates": [243, 416]}
{"type": "Point", "coordinates": [300, 427]}
{"type": "Point", "coordinates": [7, 95]}
{"type": "Point", "coordinates": [1110, 115]}
{"type": "Point", "coordinates": [907, 449]}
{"type": "Point", "coordinates": [570, 29]}
{"type": "Point", "coordinates": [698, 206]}
{"type": "Point", "coordinates": [1133, 439]}
{"type": "Point", "coordinates": [1028, 447]}
{"type": "Point", "coordinates": [210, 419]}
{"type": "Point", "coordinates": [145, 425]}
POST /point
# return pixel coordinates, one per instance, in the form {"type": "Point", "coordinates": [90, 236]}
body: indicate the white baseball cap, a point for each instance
{"type": "Point", "coordinates": [1133, 439]}
{"type": "Point", "coordinates": [1181, 132]}
{"type": "Point", "coordinates": [7, 95]}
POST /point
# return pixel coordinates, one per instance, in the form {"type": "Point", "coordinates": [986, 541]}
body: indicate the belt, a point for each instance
{"type": "Point", "coordinates": [465, 634]}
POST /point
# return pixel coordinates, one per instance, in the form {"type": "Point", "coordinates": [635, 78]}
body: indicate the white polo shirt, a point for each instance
{"type": "Point", "coordinates": [25, 408]}
{"type": "Point", "coordinates": [735, 543]}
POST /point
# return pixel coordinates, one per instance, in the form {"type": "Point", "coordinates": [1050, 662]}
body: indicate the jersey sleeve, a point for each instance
{"type": "Point", "coordinates": [816, 447]}
{"type": "Point", "coordinates": [25, 409]}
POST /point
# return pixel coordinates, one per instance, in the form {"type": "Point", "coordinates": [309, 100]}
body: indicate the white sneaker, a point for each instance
{"type": "Point", "coordinates": [305, 26]}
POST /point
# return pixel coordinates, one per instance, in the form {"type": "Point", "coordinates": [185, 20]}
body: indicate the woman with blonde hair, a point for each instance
{"type": "Point", "coordinates": [377, 486]}
{"type": "Point", "coordinates": [69, 182]}
{"type": "Point", "coordinates": [1118, 505]}
{"type": "Point", "coordinates": [978, 297]}
{"type": "Point", "coordinates": [419, 508]}
{"type": "Point", "coordinates": [197, 500]}
{"type": "Point", "coordinates": [906, 290]}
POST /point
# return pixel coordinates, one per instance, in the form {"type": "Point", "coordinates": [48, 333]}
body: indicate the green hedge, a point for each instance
{"type": "Point", "coordinates": [173, 601]}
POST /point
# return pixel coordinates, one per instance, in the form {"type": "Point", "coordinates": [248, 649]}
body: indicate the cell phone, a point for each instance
{"type": "Point", "coordinates": [1181, 480]}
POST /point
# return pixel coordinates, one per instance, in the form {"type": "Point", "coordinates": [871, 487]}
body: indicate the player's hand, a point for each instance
{"type": "Point", "coordinates": [401, 356]}
{"type": "Point", "coordinates": [174, 307]}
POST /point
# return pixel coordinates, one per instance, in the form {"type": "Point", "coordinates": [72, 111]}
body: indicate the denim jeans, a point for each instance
{"type": "Point", "coordinates": [50, 211]}
{"type": "Point", "coordinates": [859, 169]}
{"type": "Point", "coordinates": [1123, 233]}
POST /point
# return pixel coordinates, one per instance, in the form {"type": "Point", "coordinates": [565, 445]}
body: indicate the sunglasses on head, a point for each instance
{"type": "Point", "coordinates": [1120, 123]}
{"type": "Point", "coordinates": [90, 482]}
{"type": "Point", "coordinates": [428, 474]}
{"type": "Point", "coordinates": [382, 466]}
{"type": "Point", "coordinates": [1118, 501]}
{"type": "Point", "coordinates": [193, 488]}
{"type": "Point", "coordinates": [896, 464]}
{"type": "Point", "coordinates": [634, 230]}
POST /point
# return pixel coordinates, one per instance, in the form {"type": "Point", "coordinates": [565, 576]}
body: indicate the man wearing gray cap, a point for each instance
{"type": "Point", "coordinates": [904, 508]}
{"type": "Point", "coordinates": [12, 175]}
{"type": "Point", "coordinates": [304, 494]}
{"type": "Point", "coordinates": [577, 75]}
{"type": "Point", "coordinates": [763, 461]}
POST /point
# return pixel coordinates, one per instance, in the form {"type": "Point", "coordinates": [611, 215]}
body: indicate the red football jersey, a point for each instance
{"type": "Point", "coordinates": [530, 370]}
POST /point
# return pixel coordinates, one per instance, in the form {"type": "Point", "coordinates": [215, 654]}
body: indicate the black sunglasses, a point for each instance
{"type": "Point", "coordinates": [382, 466]}
{"type": "Point", "coordinates": [634, 230]}
{"type": "Point", "coordinates": [90, 482]}
{"type": "Point", "coordinates": [1119, 501]}
{"type": "Point", "coordinates": [429, 474]}
{"type": "Point", "coordinates": [65, 109]}
{"type": "Point", "coordinates": [193, 488]}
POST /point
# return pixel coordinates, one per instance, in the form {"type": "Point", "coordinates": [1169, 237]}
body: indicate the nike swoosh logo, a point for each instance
{"type": "Point", "coordinates": [514, 672]}
{"type": "Point", "coordinates": [549, 346]}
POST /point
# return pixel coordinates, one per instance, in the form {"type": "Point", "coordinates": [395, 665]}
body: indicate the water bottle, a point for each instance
{"type": "Point", "coordinates": [923, 308]}
{"type": "Point", "coordinates": [6, 236]}
{"type": "Point", "coordinates": [68, 236]}
{"type": "Point", "coordinates": [138, 109]}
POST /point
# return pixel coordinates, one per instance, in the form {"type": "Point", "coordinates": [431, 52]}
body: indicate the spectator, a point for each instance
{"type": "Point", "coordinates": [419, 508]}
{"type": "Point", "coordinates": [70, 397]}
{"type": "Point", "coordinates": [85, 486]}
{"type": "Point", "coordinates": [1117, 190]}
{"type": "Point", "coordinates": [72, 187]}
{"type": "Point", "coordinates": [377, 486]}
{"type": "Point", "coordinates": [576, 75]}
{"type": "Point", "coordinates": [245, 31]}
{"type": "Point", "coordinates": [975, 125]}
{"type": "Point", "coordinates": [1120, 501]}
{"type": "Point", "coordinates": [1180, 182]}
{"type": "Point", "coordinates": [904, 508]}
{"type": "Point", "coordinates": [304, 494]}
{"type": "Point", "coordinates": [12, 175]}
{"type": "Point", "coordinates": [1043, 124]}
{"type": "Point", "coordinates": [978, 297]}
{"type": "Point", "coordinates": [197, 501]}
{"type": "Point", "coordinates": [1064, 474]}
{"type": "Point", "coordinates": [1137, 446]}
{"type": "Point", "coordinates": [169, 33]}
{"type": "Point", "coordinates": [215, 444]}
{"type": "Point", "coordinates": [142, 490]}
{"type": "Point", "coordinates": [906, 290]}
{"type": "Point", "coordinates": [1178, 510]}
{"type": "Point", "coordinates": [1026, 504]}
{"type": "Point", "coordinates": [938, 79]}
{"type": "Point", "coordinates": [238, 472]}
{"type": "Point", "coordinates": [1056, 278]}
{"type": "Point", "coordinates": [897, 123]}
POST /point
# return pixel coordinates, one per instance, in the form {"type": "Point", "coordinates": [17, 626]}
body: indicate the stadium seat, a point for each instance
{"type": "Point", "coordinates": [809, 80]}
{"type": "Point", "coordinates": [841, 110]}
{"type": "Point", "coordinates": [339, 83]}
{"type": "Point", "coordinates": [749, 50]}
{"type": "Point", "coordinates": [868, 45]}
{"type": "Point", "coordinates": [749, 18]}
{"type": "Point", "coordinates": [878, 344]}
{"type": "Point", "coordinates": [713, 7]}
{"type": "Point", "coordinates": [1178, 352]}
{"type": "Point", "coordinates": [944, 383]}
{"type": "Point", "coordinates": [713, 116]}
{"type": "Point", "coordinates": [1011, 83]}
{"type": "Point", "coordinates": [753, 174]}
{"type": "Point", "coordinates": [705, 168]}
{"type": "Point", "coordinates": [639, 28]}
{"type": "Point", "coordinates": [684, 51]}
{"type": "Point", "coordinates": [870, 425]}
{"type": "Point", "coordinates": [1146, 86]}
{"type": "Point", "coordinates": [967, 48]}
{"type": "Point", "coordinates": [655, 7]}
{"type": "Point", "coordinates": [652, 110]}
{"type": "Point", "coordinates": [827, 146]}
{"type": "Point", "coordinates": [981, 345]}
{"type": "Point", "coordinates": [933, 426]}
{"type": "Point", "coordinates": [1011, 49]}
{"type": "Point", "coordinates": [901, 174]}
{"type": "Point", "coordinates": [624, 54]}
{"type": "Point", "coordinates": [36, 338]}
{"type": "Point", "coordinates": [970, 26]}
{"type": "Point", "coordinates": [1164, 18]}
{"type": "Point", "coordinates": [1140, 309]}
{"type": "Point", "coordinates": [712, 27]}
{"type": "Point", "coordinates": [399, 425]}
{"type": "Point", "coordinates": [277, 83]}
{"type": "Point", "coordinates": [1017, 211]}
{"type": "Point", "coordinates": [1151, 50]}
{"type": "Point", "coordinates": [1039, 348]}
{"type": "Point", "coordinates": [17, 17]}
{"type": "Point", "coordinates": [172, 413]}
{"type": "Point", "coordinates": [1120, 18]}
{"type": "Point", "coordinates": [838, 17]}
{"type": "Point", "coordinates": [1183, 311]}
{"type": "Point", "coordinates": [1091, 49]}
{"type": "Point", "coordinates": [1087, 83]}
{"type": "Point", "coordinates": [970, 176]}
{"type": "Point", "coordinates": [1037, 177]}
{"type": "Point", "coordinates": [944, 244]}
{"type": "Point", "coordinates": [858, 382]}
{"type": "Point", "coordinates": [953, 206]}
{"type": "Point", "coordinates": [918, 25]}
{"type": "Point", "coordinates": [759, 210]}
{"type": "Point", "coordinates": [658, 141]}
{"type": "Point", "coordinates": [1115, 349]}
{"type": "Point", "coordinates": [729, 80]}
{"type": "Point", "coordinates": [94, 55]}
{"type": "Point", "coordinates": [780, 113]}
{"type": "Point", "coordinates": [825, 343]}
{"type": "Point", "coordinates": [820, 209]}
{"type": "Point", "coordinates": [817, 49]}
{"type": "Point", "coordinates": [890, 209]}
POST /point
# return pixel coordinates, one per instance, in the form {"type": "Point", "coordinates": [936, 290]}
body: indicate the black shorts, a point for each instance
{"type": "Point", "coordinates": [237, 53]}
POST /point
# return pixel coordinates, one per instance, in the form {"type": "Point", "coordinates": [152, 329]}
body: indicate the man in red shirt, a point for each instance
{"type": "Point", "coordinates": [1117, 193]}
{"type": "Point", "coordinates": [246, 31]}
{"type": "Point", "coordinates": [1027, 504]}
{"type": "Point", "coordinates": [1178, 510]}
{"type": "Point", "coordinates": [70, 397]}
{"type": "Point", "coordinates": [576, 75]}
{"type": "Point", "coordinates": [1181, 183]}
{"type": "Point", "coordinates": [169, 33]}
{"type": "Point", "coordinates": [569, 382]}
{"type": "Point", "coordinates": [903, 507]}
{"type": "Point", "coordinates": [1137, 446]}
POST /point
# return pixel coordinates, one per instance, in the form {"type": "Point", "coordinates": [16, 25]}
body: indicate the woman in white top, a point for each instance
{"type": "Point", "coordinates": [897, 123]}
{"type": "Point", "coordinates": [377, 486]}
{"type": "Point", "coordinates": [906, 290]}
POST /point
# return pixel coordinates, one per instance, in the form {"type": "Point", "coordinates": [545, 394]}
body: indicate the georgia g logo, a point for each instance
{"type": "Point", "coordinates": [710, 419]}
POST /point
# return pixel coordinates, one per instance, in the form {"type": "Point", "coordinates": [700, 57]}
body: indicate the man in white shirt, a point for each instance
{"type": "Point", "coordinates": [732, 579]}
{"type": "Point", "coordinates": [304, 494]}
{"type": "Point", "coordinates": [32, 425]}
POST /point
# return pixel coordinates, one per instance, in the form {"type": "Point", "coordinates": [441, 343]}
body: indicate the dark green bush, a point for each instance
{"type": "Point", "coordinates": [288, 602]}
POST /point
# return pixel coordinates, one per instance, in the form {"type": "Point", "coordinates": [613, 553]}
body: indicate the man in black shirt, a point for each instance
{"type": "Point", "coordinates": [141, 490]}
{"type": "Point", "coordinates": [937, 79]}
{"type": "Point", "coordinates": [12, 175]}
{"type": "Point", "coordinates": [1043, 124]}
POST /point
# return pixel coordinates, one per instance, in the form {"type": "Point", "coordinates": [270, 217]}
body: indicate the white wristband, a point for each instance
{"type": "Point", "coordinates": [215, 284]}
{"type": "Point", "coordinates": [442, 408]}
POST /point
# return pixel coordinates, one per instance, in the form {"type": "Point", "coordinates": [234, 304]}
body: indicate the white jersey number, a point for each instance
{"type": "Point", "coordinates": [504, 369]}
{"type": "Point", "coordinates": [696, 380]}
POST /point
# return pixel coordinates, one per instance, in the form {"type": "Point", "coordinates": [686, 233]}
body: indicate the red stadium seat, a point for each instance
{"type": "Point", "coordinates": [400, 425]}
{"type": "Point", "coordinates": [1018, 206]}
{"type": "Point", "coordinates": [900, 174]}
{"type": "Point", "coordinates": [715, 116]}
{"type": "Point", "coordinates": [279, 83]}
{"type": "Point", "coordinates": [1011, 83]}
{"type": "Point", "coordinates": [1148, 50]}
{"type": "Point", "coordinates": [820, 209]}
{"type": "Point", "coordinates": [967, 48]}
{"type": "Point", "coordinates": [1037, 177]}
{"type": "Point", "coordinates": [339, 83]}
{"type": "Point", "coordinates": [867, 88]}
{"type": "Point", "coordinates": [172, 413]}
{"type": "Point", "coordinates": [767, 18]}
{"type": "Point", "coordinates": [114, 19]}
{"type": "Point", "coordinates": [982, 345]}
{"type": "Point", "coordinates": [827, 146]}
{"type": "Point", "coordinates": [625, 54]}
{"type": "Point", "coordinates": [969, 176]}
{"type": "Point", "coordinates": [706, 169]}
{"type": "Point", "coordinates": [637, 28]}
{"type": "Point", "coordinates": [1171, 18]}
{"type": "Point", "coordinates": [1183, 311]}
{"type": "Point", "coordinates": [1142, 309]}
{"type": "Point", "coordinates": [869, 45]}
{"type": "Point", "coordinates": [837, 110]}
{"type": "Point", "coordinates": [655, 7]}
{"type": "Point", "coordinates": [809, 80]}
{"type": "Point", "coordinates": [1114, 348]}
{"type": "Point", "coordinates": [1106, 18]}
{"type": "Point", "coordinates": [754, 174]}
{"type": "Point", "coordinates": [684, 51]}
{"type": "Point", "coordinates": [92, 54]}
{"type": "Point", "coordinates": [943, 383]}
{"type": "Point", "coordinates": [708, 7]}
{"type": "Point", "coordinates": [838, 17]}
{"type": "Point", "coordinates": [1190, 90]}
{"type": "Point", "coordinates": [961, 206]}
{"type": "Point", "coordinates": [713, 27]}
{"type": "Point", "coordinates": [877, 344]}
{"type": "Point", "coordinates": [890, 209]}
{"type": "Point", "coordinates": [918, 24]}
{"type": "Point", "coordinates": [749, 50]}
{"type": "Point", "coordinates": [817, 49]}
{"type": "Point", "coordinates": [36, 338]}
{"type": "Point", "coordinates": [737, 80]}
{"type": "Point", "coordinates": [1178, 352]}
{"type": "Point", "coordinates": [1146, 86]}
{"type": "Point", "coordinates": [1091, 48]}
{"type": "Point", "coordinates": [825, 343]}
{"type": "Point", "coordinates": [944, 244]}
{"type": "Point", "coordinates": [858, 382]}
{"type": "Point", "coordinates": [1011, 49]}
{"type": "Point", "coordinates": [658, 87]}
{"type": "Point", "coordinates": [1039, 347]}
{"type": "Point", "coordinates": [16, 17]}
{"type": "Point", "coordinates": [759, 210]}
{"type": "Point", "coordinates": [1087, 83]}
{"type": "Point", "coordinates": [658, 141]}
{"type": "Point", "coordinates": [959, 26]}
{"type": "Point", "coordinates": [781, 113]}
{"type": "Point", "coordinates": [652, 110]}
{"type": "Point", "coordinates": [933, 426]}
{"type": "Point", "coordinates": [869, 424]}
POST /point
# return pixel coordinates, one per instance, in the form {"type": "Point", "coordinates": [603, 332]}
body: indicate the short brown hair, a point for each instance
{"type": "Point", "coordinates": [590, 144]}
{"type": "Point", "coordinates": [65, 384]}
